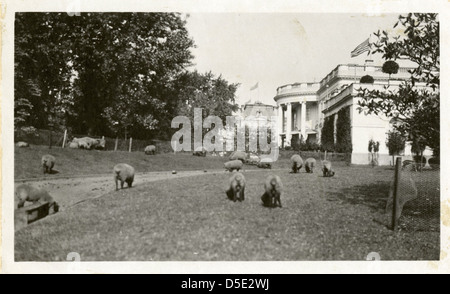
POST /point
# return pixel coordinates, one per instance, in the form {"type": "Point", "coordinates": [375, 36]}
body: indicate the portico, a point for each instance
{"type": "Point", "coordinates": [297, 113]}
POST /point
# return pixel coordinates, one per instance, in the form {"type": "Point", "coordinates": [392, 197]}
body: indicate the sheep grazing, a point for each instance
{"type": "Point", "coordinates": [253, 159]}
{"type": "Point", "coordinates": [88, 143]}
{"type": "Point", "coordinates": [150, 149]}
{"type": "Point", "coordinates": [265, 163]}
{"type": "Point", "coordinates": [233, 165]}
{"type": "Point", "coordinates": [100, 143]}
{"type": "Point", "coordinates": [73, 145]}
{"type": "Point", "coordinates": [238, 155]}
{"type": "Point", "coordinates": [236, 190]}
{"type": "Point", "coordinates": [22, 144]}
{"type": "Point", "coordinates": [48, 162]}
{"type": "Point", "coordinates": [310, 163]}
{"type": "Point", "coordinates": [28, 193]}
{"type": "Point", "coordinates": [200, 152]}
{"type": "Point", "coordinates": [297, 163]}
{"type": "Point", "coordinates": [81, 143]}
{"type": "Point", "coordinates": [273, 189]}
{"type": "Point", "coordinates": [326, 169]}
{"type": "Point", "coordinates": [123, 173]}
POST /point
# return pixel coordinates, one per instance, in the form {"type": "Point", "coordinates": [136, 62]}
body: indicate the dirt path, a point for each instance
{"type": "Point", "coordinates": [71, 191]}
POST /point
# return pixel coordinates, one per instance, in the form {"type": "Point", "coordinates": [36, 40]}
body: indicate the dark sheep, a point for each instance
{"type": "Point", "coordinates": [273, 189]}
{"type": "Point", "coordinates": [123, 173]}
{"type": "Point", "coordinates": [297, 163]}
{"type": "Point", "coordinates": [26, 193]}
{"type": "Point", "coordinates": [236, 191]}
{"type": "Point", "coordinates": [233, 165]}
{"type": "Point", "coordinates": [310, 163]}
{"type": "Point", "coordinates": [48, 162]}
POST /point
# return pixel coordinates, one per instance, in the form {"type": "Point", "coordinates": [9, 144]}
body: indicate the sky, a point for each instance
{"type": "Point", "coordinates": [274, 49]}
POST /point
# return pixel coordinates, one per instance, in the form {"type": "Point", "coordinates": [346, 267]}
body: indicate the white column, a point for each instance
{"type": "Point", "coordinates": [303, 122]}
{"type": "Point", "coordinates": [280, 123]}
{"type": "Point", "coordinates": [289, 124]}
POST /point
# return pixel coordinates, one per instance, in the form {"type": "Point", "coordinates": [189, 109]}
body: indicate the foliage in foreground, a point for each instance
{"type": "Point", "coordinates": [415, 104]}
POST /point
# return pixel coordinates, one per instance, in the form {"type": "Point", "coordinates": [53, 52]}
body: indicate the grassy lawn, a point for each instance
{"type": "Point", "coordinates": [73, 162]}
{"type": "Point", "coordinates": [191, 219]}
{"type": "Point", "coordinates": [78, 162]}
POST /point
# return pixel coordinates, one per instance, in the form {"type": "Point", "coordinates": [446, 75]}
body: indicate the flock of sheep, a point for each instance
{"type": "Point", "coordinates": [273, 187]}
{"type": "Point", "coordinates": [124, 173]}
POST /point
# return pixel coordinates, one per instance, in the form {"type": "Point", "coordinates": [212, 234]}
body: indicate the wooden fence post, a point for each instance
{"type": "Point", "coordinates": [64, 139]}
{"type": "Point", "coordinates": [117, 143]}
{"type": "Point", "coordinates": [50, 140]}
{"type": "Point", "coordinates": [131, 142]}
{"type": "Point", "coordinates": [325, 156]}
{"type": "Point", "coordinates": [398, 170]}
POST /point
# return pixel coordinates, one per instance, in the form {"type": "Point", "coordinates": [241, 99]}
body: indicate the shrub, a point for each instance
{"type": "Point", "coordinates": [327, 137]}
{"type": "Point", "coordinates": [367, 79]}
{"type": "Point", "coordinates": [343, 131]}
{"type": "Point", "coordinates": [434, 160]}
{"type": "Point", "coordinates": [395, 143]}
{"type": "Point", "coordinates": [390, 67]}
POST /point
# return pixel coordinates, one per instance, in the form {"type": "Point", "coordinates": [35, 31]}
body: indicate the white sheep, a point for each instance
{"type": "Point", "coordinates": [48, 162]}
{"type": "Point", "coordinates": [233, 165]}
{"type": "Point", "coordinates": [73, 145]}
{"type": "Point", "coordinates": [26, 193]}
{"type": "Point", "coordinates": [150, 149]}
{"type": "Point", "coordinates": [22, 144]}
{"type": "Point", "coordinates": [124, 173]}
{"type": "Point", "coordinates": [238, 155]}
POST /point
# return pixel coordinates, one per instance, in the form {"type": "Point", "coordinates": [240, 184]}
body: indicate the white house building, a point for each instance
{"type": "Point", "coordinates": [302, 108]}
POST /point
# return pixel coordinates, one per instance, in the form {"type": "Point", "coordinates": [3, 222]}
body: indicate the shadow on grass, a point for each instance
{"type": "Point", "coordinates": [419, 214]}
{"type": "Point", "coordinates": [372, 195]}
{"type": "Point", "coordinates": [52, 172]}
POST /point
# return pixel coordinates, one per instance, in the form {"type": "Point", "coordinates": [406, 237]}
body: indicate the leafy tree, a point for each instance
{"type": "Point", "coordinates": [415, 103]}
{"type": "Point", "coordinates": [214, 95]}
{"type": "Point", "coordinates": [395, 143]}
{"type": "Point", "coordinates": [127, 61]}
{"type": "Point", "coordinates": [42, 75]}
{"type": "Point", "coordinates": [99, 72]}
{"type": "Point", "coordinates": [390, 67]}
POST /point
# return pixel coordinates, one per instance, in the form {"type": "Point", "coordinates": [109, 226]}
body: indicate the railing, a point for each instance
{"type": "Point", "coordinates": [354, 69]}
{"type": "Point", "coordinates": [298, 86]}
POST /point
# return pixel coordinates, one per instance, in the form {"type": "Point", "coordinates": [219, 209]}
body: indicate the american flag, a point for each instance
{"type": "Point", "coordinates": [363, 47]}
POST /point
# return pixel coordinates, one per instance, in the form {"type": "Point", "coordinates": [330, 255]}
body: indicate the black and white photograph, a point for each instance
{"type": "Point", "coordinates": [223, 134]}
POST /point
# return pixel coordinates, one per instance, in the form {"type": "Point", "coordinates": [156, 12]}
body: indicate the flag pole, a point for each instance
{"type": "Point", "coordinates": [257, 98]}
